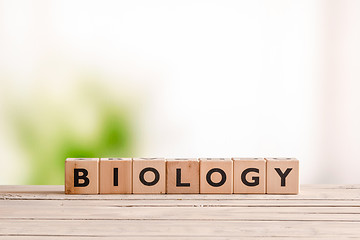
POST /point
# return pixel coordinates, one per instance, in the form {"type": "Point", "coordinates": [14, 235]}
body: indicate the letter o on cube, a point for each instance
{"type": "Point", "coordinates": [149, 175]}
{"type": "Point", "coordinates": [216, 175]}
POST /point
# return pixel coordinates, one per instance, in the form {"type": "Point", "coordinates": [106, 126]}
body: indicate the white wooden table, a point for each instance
{"type": "Point", "coordinates": [45, 212]}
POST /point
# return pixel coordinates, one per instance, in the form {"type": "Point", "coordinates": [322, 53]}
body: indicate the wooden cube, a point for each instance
{"type": "Point", "coordinates": [182, 175]}
{"type": "Point", "coordinates": [282, 175]}
{"type": "Point", "coordinates": [149, 175]}
{"type": "Point", "coordinates": [216, 175]}
{"type": "Point", "coordinates": [116, 175]}
{"type": "Point", "coordinates": [249, 175]}
{"type": "Point", "coordinates": [82, 176]}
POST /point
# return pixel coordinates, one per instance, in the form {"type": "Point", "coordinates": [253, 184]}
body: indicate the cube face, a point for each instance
{"type": "Point", "coordinates": [282, 176]}
{"type": "Point", "coordinates": [249, 175]}
{"type": "Point", "coordinates": [216, 175]}
{"type": "Point", "coordinates": [82, 176]}
{"type": "Point", "coordinates": [115, 175]}
{"type": "Point", "coordinates": [149, 175]}
{"type": "Point", "coordinates": [182, 175]}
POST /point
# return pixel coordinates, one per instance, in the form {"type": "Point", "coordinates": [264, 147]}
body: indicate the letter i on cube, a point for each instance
{"type": "Point", "coordinates": [115, 176]}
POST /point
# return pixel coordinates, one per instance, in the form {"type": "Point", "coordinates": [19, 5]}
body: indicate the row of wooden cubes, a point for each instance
{"type": "Point", "coordinates": [181, 175]}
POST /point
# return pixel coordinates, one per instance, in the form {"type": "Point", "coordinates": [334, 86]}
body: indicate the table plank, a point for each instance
{"type": "Point", "coordinates": [56, 192]}
{"type": "Point", "coordinates": [319, 211]}
{"type": "Point", "coordinates": [170, 228]}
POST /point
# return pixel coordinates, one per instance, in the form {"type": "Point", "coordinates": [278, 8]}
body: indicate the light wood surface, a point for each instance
{"type": "Point", "coordinates": [45, 212]}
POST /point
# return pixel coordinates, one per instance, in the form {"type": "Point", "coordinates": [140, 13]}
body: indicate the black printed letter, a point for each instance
{"type": "Point", "coordinates": [283, 175]}
{"type": "Point", "coordinates": [83, 176]}
{"type": "Point", "coordinates": [142, 179]}
{"type": "Point", "coordinates": [116, 177]}
{"type": "Point", "coordinates": [223, 177]}
{"type": "Point", "coordinates": [178, 179]}
{"type": "Point", "coordinates": [255, 179]}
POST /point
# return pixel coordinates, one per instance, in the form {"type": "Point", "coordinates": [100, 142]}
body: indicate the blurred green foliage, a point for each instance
{"type": "Point", "coordinates": [47, 135]}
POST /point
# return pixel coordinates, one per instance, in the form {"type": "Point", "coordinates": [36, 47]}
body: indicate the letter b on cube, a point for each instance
{"type": "Point", "coordinates": [82, 176]}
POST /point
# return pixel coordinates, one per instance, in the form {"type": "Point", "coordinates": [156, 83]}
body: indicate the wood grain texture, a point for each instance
{"type": "Point", "coordinates": [45, 212]}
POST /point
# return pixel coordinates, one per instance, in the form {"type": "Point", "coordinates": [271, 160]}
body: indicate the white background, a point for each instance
{"type": "Point", "coordinates": [212, 78]}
